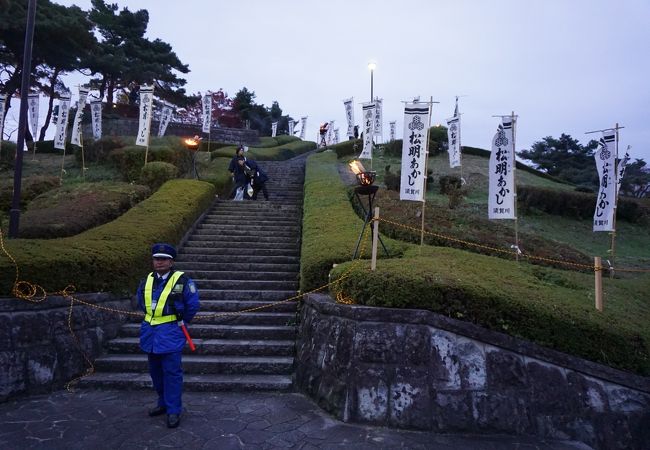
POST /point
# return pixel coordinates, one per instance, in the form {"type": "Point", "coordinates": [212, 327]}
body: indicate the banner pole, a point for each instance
{"type": "Point", "coordinates": [375, 239]}
{"type": "Point", "coordinates": [598, 283]}
{"type": "Point", "coordinates": [612, 248]}
{"type": "Point", "coordinates": [426, 173]}
{"type": "Point", "coordinates": [514, 187]}
{"type": "Point", "coordinates": [34, 152]}
{"type": "Point", "coordinates": [62, 165]}
{"type": "Point", "coordinates": [83, 157]}
{"type": "Point", "coordinates": [146, 154]}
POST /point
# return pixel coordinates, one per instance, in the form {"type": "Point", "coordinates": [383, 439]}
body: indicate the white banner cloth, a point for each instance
{"type": "Point", "coordinates": [303, 126]}
{"type": "Point", "coordinates": [3, 98]}
{"type": "Point", "coordinates": [206, 109]}
{"type": "Point", "coordinates": [274, 129]}
{"type": "Point", "coordinates": [336, 136]}
{"type": "Point", "coordinates": [392, 126]}
{"type": "Point", "coordinates": [349, 115]}
{"type": "Point", "coordinates": [453, 138]}
{"type": "Point", "coordinates": [76, 126]}
{"type": "Point", "coordinates": [291, 124]}
{"type": "Point", "coordinates": [96, 118]}
{"type": "Point", "coordinates": [605, 158]}
{"type": "Point", "coordinates": [414, 152]}
{"type": "Point", "coordinates": [62, 122]}
{"type": "Point", "coordinates": [378, 118]}
{"type": "Point", "coordinates": [501, 200]}
{"type": "Point", "coordinates": [165, 118]}
{"type": "Point", "coordinates": [144, 126]}
{"type": "Point", "coordinates": [368, 114]}
{"type": "Point", "coordinates": [33, 101]}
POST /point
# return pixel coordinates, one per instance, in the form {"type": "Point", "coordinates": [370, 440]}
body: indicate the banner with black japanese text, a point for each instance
{"type": "Point", "coordinates": [393, 126]}
{"type": "Point", "coordinates": [378, 131]}
{"type": "Point", "coordinates": [414, 152]}
{"type": "Point", "coordinates": [146, 105]}
{"type": "Point", "coordinates": [32, 105]}
{"type": "Point", "coordinates": [453, 139]}
{"type": "Point", "coordinates": [206, 108]}
{"type": "Point", "coordinates": [303, 127]}
{"type": "Point", "coordinates": [368, 114]}
{"type": "Point", "coordinates": [274, 129]}
{"type": "Point", "coordinates": [620, 169]}
{"type": "Point", "coordinates": [3, 99]}
{"type": "Point", "coordinates": [336, 136]}
{"type": "Point", "coordinates": [501, 200]}
{"type": "Point", "coordinates": [96, 118]}
{"type": "Point", "coordinates": [605, 158]}
{"type": "Point", "coordinates": [76, 125]}
{"type": "Point", "coordinates": [291, 125]}
{"type": "Point", "coordinates": [349, 115]}
{"type": "Point", "coordinates": [165, 118]}
{"type": "Point", "coordinates": [62, 122]}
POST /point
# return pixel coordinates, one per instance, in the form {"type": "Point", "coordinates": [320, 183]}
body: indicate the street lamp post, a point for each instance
{"type": "Point", "coordinates": [372, 66]}
{"type": "Point", "coordinates": [14, 212]}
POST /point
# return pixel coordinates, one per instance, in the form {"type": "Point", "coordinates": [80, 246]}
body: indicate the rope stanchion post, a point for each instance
{"type": "Point", "coordinates": [375, 239]}
{"type": "Point", "coordinates": [598, 285]}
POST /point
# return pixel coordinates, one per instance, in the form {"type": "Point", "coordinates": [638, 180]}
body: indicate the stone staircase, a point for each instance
{"type": "Point", "coordinates": [241, 255]}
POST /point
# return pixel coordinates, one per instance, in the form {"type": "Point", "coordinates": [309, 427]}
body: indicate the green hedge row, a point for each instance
{"type": "Point", "coordinates": [130, 160]}
{"type": "Point", "coordinates": [114, 256]}
{"type": "Point", "coordinates": [513, 299]}
{"type": "Point", "coordinates": [578, 205]}
{"type": "Point", "coordinates": [31, 187]}
{"type": "Point", "coordinates": [276, 153]}
{"type": "Point", "coordinates": [330, 226]}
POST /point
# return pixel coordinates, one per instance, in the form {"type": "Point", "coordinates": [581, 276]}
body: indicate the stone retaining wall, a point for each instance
{"type": "Point", "coordinates": [417, 369]}
{"type": "Point", "coordinates": [37, 350]}
{"type": "Point", "coordinates": [129, 127]}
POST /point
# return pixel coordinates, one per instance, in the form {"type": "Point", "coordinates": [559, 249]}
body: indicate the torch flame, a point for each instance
{"type": "Point", "coordinates": [356, 167]}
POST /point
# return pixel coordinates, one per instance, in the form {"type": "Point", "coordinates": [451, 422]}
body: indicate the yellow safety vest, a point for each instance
{"type": "Point", "coordinates": [157, 318]}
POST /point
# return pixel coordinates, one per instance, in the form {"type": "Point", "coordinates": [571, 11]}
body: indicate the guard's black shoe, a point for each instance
{"type": "Point", "coordinates": [157, 411]}
{"type": "Point", "coordinates": [173, 420]}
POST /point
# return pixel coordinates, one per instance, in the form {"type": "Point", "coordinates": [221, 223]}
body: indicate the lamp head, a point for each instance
{"type": "Point", "coordinates": [372, 65]}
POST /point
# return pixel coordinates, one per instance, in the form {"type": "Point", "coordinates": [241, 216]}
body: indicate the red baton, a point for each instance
{"type": "Point", "coordinates": [187, 335]}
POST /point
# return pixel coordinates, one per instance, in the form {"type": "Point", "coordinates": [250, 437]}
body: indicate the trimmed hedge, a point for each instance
{"type": "Point", "coordinates": [347, 148]}
{"type": "Point", "coordinates": [276, 153]}
{"type": "Point", "coordinates": [31, 187]}
{"type": "Point", "coordinates": [156, 173]}
{"type": "Point", "coordinates": [578, 205]}
{"type": "Point", "coordinates": [98, 151]}
{"type": "Point", "coordinates": [330, 227]}
{"type": "Point", "coordinates": [71, 209]}
{"type": "Point", "coordinates": [130, 160]}
{"type": "Point", "coordinates": [114, 256]}
{"type": "Point", "coordinates": [546, 306]}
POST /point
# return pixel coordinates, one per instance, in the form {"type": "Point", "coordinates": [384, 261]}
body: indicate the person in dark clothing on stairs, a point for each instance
{"type": "Point", "coordinates": [256, 176]}
{"type": "Point", "coordinates": [236, 172]}
{"type": "Point", "coordinates": [168, 298]}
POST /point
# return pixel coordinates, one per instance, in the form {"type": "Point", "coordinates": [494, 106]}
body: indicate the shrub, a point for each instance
{"type": "Point", "coordinates": [347, 148]}
{"type": "Point", "coordinates": [277, 153]}
{"type": "Point", "coordinates": [391, 180]}
{"type": "Point", "coordinates": [31, 187]}
{"type": "Point", "coordinates": [156, 173]}
{"type": "Point", "coordinates": [98, 151]}
{"type": "Point", "coordinates": [130, 160]}
{"type": "Point", "coordinates": [113, 256]}
{"type": "Point", "coordinates": [587, 189]}
{"type": "Point", "coordinates": [7, 154]}
{"type": "Point", "coordinates": [46, 147]}
{"type": "Point", "coordinates": [449, 183]}
{"type": "Point", "coordinates": [69, 210]}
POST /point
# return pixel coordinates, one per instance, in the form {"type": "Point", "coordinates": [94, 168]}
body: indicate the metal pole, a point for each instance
{"type": "Point", "coordinates": [514, 187]}
{"type": "Point", "coordinates": [375, 239]}
{"type": "Point", "coordinates": [613, 241]}
{"type": "Point", "coordinates": [14, 212]}
{"type": "Point", "coordinates": [426, 167]}
{"type": "Point", "coordinates": [371, 84]}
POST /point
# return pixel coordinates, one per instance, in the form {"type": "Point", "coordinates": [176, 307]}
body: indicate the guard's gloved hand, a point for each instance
{"type": "Point", "coordinates": [179, 309]}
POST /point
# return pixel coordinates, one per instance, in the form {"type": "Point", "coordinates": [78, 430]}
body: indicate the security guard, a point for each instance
{"type": "Point", "coordinates": [166, 296]}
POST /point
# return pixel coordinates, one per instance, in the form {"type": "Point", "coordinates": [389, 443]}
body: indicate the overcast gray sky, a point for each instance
{"type": "Point", "coordinates": [561, 65]}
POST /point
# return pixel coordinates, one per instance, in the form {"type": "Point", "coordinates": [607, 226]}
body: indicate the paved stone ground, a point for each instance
{"type": "Point", "coordinates": [118, 420]}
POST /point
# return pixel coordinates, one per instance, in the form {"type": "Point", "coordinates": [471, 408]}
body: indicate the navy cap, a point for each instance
{"type": "Point", "coordinates": [162, 250]}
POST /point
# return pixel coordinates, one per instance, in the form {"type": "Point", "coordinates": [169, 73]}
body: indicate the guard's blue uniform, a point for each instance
{"type": "Point", "coordinates": [163, 343]}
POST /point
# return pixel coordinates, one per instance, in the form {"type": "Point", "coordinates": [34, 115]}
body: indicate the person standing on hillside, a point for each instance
{"type": "Point", "coordinates": [168, 298]}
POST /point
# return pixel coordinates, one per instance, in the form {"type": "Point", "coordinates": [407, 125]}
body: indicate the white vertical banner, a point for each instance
{"type": "Point", "coordinates": [165, 118]}
{"type": "Point", "coordinates": [206, 108]}
{"type": "Point", "coordinates": [368, 114]}
{"type": "Point", "coordinates": [620, 169]}
{"type": "Point", "coordinates": [96, 118]}
{"type": "Point", "coordinates": [393, 126]}
{"type": "Point", "coordinates": [501, 201]}
{"type": "Point", "coordinates": [605, 158]}
{"type": "Point", "coordinates": [453, 138]}
{"type": "Point", "coordinates": [378, 118]}
{"type": "Point", "coordinates": [336, 136]}
{"type": "Point", "coordinates": [62, 122]}
{"type": "Point", "coordinates": [303, 126]}
{"type": "Point", "coordinates": [144, 126]}
{"type": "Point", "coordinates": [291, 124]}
{"type": "Point", "coordinates": [329, 138]}
{"type": "Point", "coordinates": [349, 115]}
{"type": "Point", "coordinates": [76, 126]}
{"type": "Point", "coordinates": [274, 129]}
{"type": "Point", "coordinates": [3, 99]}
{"type": "Point", "coordinates": [32, 105]}
{"type": "Point", "coordinates": [414, 152]}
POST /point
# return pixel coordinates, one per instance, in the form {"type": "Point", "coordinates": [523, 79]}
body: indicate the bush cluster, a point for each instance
{"type": "Point", "coordinates": [156, 173]}
{"type": "Point", "coordinates": [269, 153]}
{"type": "Point", "coordinates": [114, 256]}
{"type": "Point", "coordinates": [31, 187]}
{"type": "Point", "coordinates": [130, 160]}
{"type": "Point", "coordinates": [577, 205]}
{"type": "Point", "coordinates": [71, 209]}
{"type": "Point", "coordinates": [347, 149]}
{"type": "Point", "coordinates": [98, 151]}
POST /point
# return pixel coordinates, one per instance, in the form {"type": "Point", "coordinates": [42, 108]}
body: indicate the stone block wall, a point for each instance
{"type": "Point", "coordinates": [129, 127]}
{"type": "Point", "coordinates": [417, 369]}
{"type": "Point", "coordinates": [37, 351]}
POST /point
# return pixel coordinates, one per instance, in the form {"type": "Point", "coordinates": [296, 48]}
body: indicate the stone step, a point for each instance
{"type": "Point", "coordinates": [252, 238]}
{"type": "Point", "coordinates": [235, 245]}
{"type": "Point", "coordinates": [255, 217]}
{"type": "Point", "coordinates": [201, 364]}
{"type": "Point", "coordinates": [244, 228]}
{"type": "Point", "coordinates": [262, 318]}
{"type": "Point", "coordinates": [245, 295]}
{"type": "Point", "coordinates": [241, 305]}
{"type": "Point", "coordinates": [248, 285]}
{"type": "Point", "coordinates": [204, 256]}
{"type": "Point", "coordinates": [225, 331]}
{"type": "Point", "coordinates": [235, 275]}
{"type": "Point", "coordinates": [215, 347]}
{"type": "Point", "coordinates": [192, 382]}
{"type": "Point", "coordinates": [211, 221]}
{"type": "Point", "coordinates": [204, 249]}
{"type": "Point", "coordinates": [187, 266]}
